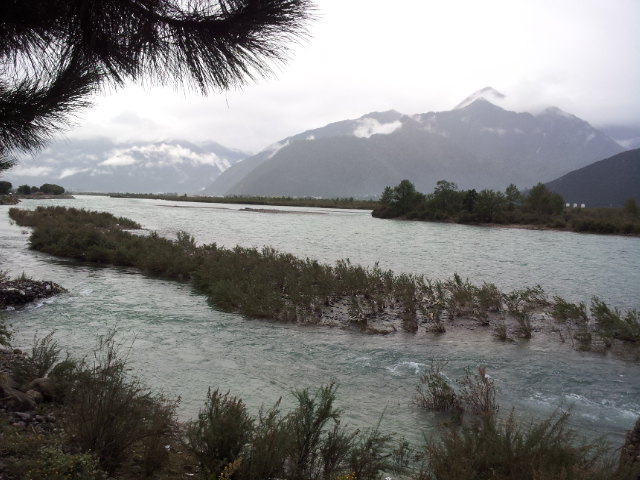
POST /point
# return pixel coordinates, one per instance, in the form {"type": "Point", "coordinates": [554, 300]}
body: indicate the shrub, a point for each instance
{"type": "Point", "coordinates": [525, 299]}
{"type": "Point", "coordinates": [489, 298]}
{"type": "Point", "coordinates": [501, 450]}
{"type": "Point", "coordinates": [524, 328]}
{"type": "Point", "coordinates": [218, 436]}
{"type": "Point", "coordinates": [478, 393]}
{"type": "Point", "coordinates": [563, 311]}
{"type": "Point", "coordinates": [369, 457]}
{"type": "Point", "coordinates": [461, 296]}
{"type": "Point", "coordinates": [500, 330]}
{"type": "Point", "coordinates": [45, 353]}
{"type": "Point", "coordinates": [33, 456]}
{"type": "Point", "coordinates": [52, 463]}
{"type": "Point", "coordinates": [434, 391]}
{"type": "Point", "coordinates": [111, 414]}
{"type": "Point", "coordinates": [267, 452]}
{"type": "Point", "coordinates": [307, 424]}
{"type": "Point", "coordinates": [612, 323]}
{"type": "Point", "coordinates": [336, 450]}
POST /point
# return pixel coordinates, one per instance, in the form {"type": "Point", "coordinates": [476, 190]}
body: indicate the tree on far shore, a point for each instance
{"type": "Point", "coordinates": [5, 187]}
{"type": "Point", "coordinates": [52, 189]}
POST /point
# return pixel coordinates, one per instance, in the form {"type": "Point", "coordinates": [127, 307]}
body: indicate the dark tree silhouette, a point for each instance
{"type": "Point", "coordinates": [55, 53]}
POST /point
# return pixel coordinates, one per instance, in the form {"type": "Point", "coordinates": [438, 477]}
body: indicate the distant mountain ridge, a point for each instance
{"type": "Point", "coordinates": [607, 183]}
{"type": "Point", "coordinates": [476, 145]}
{"type": "Point", "coordinates": [100, 165]}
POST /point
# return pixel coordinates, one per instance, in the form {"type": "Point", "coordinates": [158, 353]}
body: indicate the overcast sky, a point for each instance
{"type": "Point", "coordinates": [413, 56]}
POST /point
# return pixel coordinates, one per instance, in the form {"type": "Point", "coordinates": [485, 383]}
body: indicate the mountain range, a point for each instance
{"type": "Point", "coordinates": [101, 165]}
{"type": "Point", "coordinates": [478, 145]}
{"type": "Point", "coordinates": [607, 183]}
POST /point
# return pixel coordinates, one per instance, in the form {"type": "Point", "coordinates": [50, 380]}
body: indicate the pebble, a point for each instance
{"type": "Point", "coordinates": [24, 416]}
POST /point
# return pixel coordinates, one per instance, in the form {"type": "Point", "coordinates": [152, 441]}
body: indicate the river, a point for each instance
{"type": "Point", "coordinates": [180, 345]}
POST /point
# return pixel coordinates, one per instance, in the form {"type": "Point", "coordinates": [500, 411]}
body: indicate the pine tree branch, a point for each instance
{"type": "Point", "coordinates": [54, 53]}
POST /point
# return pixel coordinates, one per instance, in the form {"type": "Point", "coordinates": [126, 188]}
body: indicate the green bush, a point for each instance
{"type": "Point", "coordinates": [489, 448]}
{"type": "Point", "coordinates": [309, 443]}
{"type": "Point", "coordinates": [434, 391]}
{"type": "Point", "coordinates": [308, 428]}
{"type": "Point", "coordinates": [219, 435]}
{"type": "Point", "coordinates": [112, 415]}
{"type": "Point", "coordinates": [52, 463]}
{"type": "Point", "coordinates": [563, 311]}
{"type": "Point", "coordinates": [266, 455]}
{"type": "Point", "coordinates": [613, 324]}
{"type": "Point", "coordinates": [34, 456]}
{"type": "Point", "coordinates": [45, 353]}
{"type": "Point", "coordinates": [478, 393]}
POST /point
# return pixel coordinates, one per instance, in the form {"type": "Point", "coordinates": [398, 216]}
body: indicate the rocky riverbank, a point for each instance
{"type": "Point", "coordinates": [8, 200]}
{"type": "Point", "coordinates": [21, 291]}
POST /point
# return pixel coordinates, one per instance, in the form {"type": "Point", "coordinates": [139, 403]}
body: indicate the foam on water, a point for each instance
{"type": "Point", "coordinates": [414, 367]}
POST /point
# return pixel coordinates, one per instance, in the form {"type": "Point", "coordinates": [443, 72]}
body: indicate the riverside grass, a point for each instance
{"type": "Point", "coordinates": [270, 284]}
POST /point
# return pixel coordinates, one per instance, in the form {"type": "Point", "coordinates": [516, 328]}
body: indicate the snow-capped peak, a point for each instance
{"type": "Point", "coordinates": [489, 94]}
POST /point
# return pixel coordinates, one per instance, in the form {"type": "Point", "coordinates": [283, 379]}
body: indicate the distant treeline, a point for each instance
{"type": "Point", "coordinates": [349, 202]}
{"type": "Point", "coordinates": [47, 188]}
{"type": "Point", "coordinates": [7, 191]}
{"type": "Point", "coordinates": [539, 206]}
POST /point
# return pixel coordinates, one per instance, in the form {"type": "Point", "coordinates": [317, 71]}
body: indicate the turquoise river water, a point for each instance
{"type": "Point", "coordinates": [181, 345]}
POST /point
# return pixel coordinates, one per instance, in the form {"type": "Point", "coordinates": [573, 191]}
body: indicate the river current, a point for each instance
{"type": "Point", "coordinates": [180, 345]}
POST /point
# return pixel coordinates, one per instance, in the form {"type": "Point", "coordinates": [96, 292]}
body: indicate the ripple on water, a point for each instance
{"type": "Point", "coordinates": [182, 346]}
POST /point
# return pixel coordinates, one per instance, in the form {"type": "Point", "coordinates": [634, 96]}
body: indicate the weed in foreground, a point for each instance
{"type": "Point", "coordinates": [478, 393]}
{"type": "Point", "coordinates": [112, 415]}
{"type": "Point", "coordinates": [45, 353]}
{"type": "Point", "coordinates": [221, 431]}
{"type": "Point", "coordinates": [500, 330]}
{"type": "Point", "coordinates": [613, 324]}
{"type": "Point", "coordinates": [503, 449]}
{"type": "Point", "coordinates": [34, 456]}
{"type": "Point", "coordinates": [434, 391]}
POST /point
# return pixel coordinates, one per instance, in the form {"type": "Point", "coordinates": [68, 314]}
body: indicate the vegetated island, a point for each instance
{"type": "Point", "coordinates": [343, 203]}
{"type": "Point", "coordinates": [537, 208]}
{"type": "Point", "coordinates": [279, 286]}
